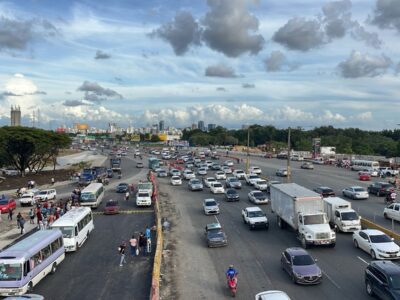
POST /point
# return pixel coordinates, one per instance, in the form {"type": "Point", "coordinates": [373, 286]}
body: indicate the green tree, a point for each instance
{"type": "Point", "coordinates": [155, 138]}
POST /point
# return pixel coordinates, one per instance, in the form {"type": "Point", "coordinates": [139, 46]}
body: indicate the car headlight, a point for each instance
{"type": "Point", "coordinates": [319, 273]}
{"type": "Point", "coordinates": [380, 251]}
{"type": "Point", "coordinates": [308, 236]}
{"type": "Point", "coordinates": [298, 275]}
{"type": "Point", "coordinates": [333, 234]}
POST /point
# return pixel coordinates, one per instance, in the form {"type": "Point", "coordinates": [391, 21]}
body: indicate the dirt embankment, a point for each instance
{"type": "Point", "coordinates": [170, 262]}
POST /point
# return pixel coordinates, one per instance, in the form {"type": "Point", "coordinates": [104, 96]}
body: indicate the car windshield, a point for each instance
{"type": "Point", "coordinates": [195, 182]}
{"type": "Point", "coordinates": [302, 260]}
{"type": "Point", "coordinates": [382, 238]}
{"type": "Point", "coordinates": [176, 178]}
{"type": "Point", "coordinates": [315, 219]}
{"type": "Point", "coordinates": [256, 214]}
{"type": "Point", "coordinates": [43, 193]}
{"type": "Point", "coordinates": [111, 203]}
{"type": "Point", "coordinates": [253, 176]}
{"type": "Point", "coordinates": [359, 190]}
{"type": "Point", "coordinates": [68, 232]}
{"type": "Point", "coordinates": [327, 190]}
{"type": "Point", "coordinates": [395, 281]}
{"type": "Point", "coordinates": [233, 180]}
{"type": "Point", "coordinates": [259, 195]}
{"type": "Point", "coordinates": [10, 271]}
{"type": "Point", "coordinates": [261, 182]}
{"type": "Point", "coordinates": [231, 192]}
{"type": "Point", "coordinates": [211, 203]}
{"type": "Point", "coordinates": [349, 216]}
{"type": "Point", "coordinates": [189, 172]}
{"type": "Point", "coordinates": [211, 179]}
{"type": "Point", "coordinates": [26, 196]}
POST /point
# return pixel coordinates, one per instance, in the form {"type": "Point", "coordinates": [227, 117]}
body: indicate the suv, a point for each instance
{"type": "Point", "coordinates": [380, 188]}
{"type": "Point", "coordinates": [382, 279]}
{"type": "Point", "coordinates": [45, 195]}
{"type": "Point", "coordinates": [325, 191]}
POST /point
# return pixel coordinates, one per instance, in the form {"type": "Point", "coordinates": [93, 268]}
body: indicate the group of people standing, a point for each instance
{"type": "Point", "coordinates": [141, 244]}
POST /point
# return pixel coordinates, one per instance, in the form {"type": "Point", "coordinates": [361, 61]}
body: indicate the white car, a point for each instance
{"type": "Point", "coordinates": [251, 178]}
{"type": "Point", "coordinates": [188, 174]}
{"type": "Point", "coordinates": [258, 197]}
{"type": "Point", "coordinates": [355, 192]}
{"type": "Point", "coordinates": [261, 185]}
{"type": "Point", "coordinates": [217, 188]}
{"type": "Point", "coordinates": [226, 169]}
{"type": "Point", "coordinates": [272, 295]}
{"type": "Point", "coordinates": [175, 172]}
{"type": "Point", "coordinates": [176, 180]}
{"type": "Point", "coordinates": [255, 170]}
{"type": "Point", "coordinates": [376, 243]}
{"type": "Point", "coordinates": [229, 163]}
{"type": "Point", "coordinates": [202, 171]}
{"type": "Point", "coordinates": [208, 181]}
{"type": "Point", "coordinates": [211, 207]}
{"type": "Point", "coordinates": [239, 174]}
{"type": "Point", "coordinates": [392, 212]}
{"type": "Point", "coordinates": [220, 175]}
{"type": "Point", "coordinates": [45, 195]}
{"type": "Point", "coordinates": [143, 198]}
{"type": "Point", "coordinates": [28, 198]}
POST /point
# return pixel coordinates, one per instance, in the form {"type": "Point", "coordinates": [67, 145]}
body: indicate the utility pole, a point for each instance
{"type": "Point", "coordinates": [248, 152]}
{"type": "Point", "coordinates": [289, 171]}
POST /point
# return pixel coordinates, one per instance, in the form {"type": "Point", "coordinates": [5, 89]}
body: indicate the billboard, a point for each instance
{"type": "Point", "coordinates": [81, 126]}
{"type": "Point", "coordinates": [135, 138]}
{"type": "Point", "coordinates": [316, 147]}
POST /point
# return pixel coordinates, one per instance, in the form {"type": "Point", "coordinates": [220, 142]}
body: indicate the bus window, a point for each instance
{"type": "Point", "coordinates": [55, 245]}
{"type": "Point", "coordinates": [76, 230]}
{"type": "Point", "coordinates": [46, 252]}
{"type": "Point", "coordinates": [27, 268]}
{"type": "Point", "coordinates": [37, 259]}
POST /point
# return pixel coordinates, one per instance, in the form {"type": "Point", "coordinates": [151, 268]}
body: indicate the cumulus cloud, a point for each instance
{"type": "Point", "coordinates": [364, 116]}
{"type": "Point", "coordinates": [386, 14]}
{"type": "Point", "coordinates": [93, 114]}
{"type": "Point", "coordinates": [96, 93]}
{"type": "Point", "coordinates": [102, 55]}
{"type": "Point", "coordinates": [229, 28]}
{"type": "Point", "coordinates": [277, 61]}
{"type": "Point", "coordinates": [248, 85]}
{"type": "Point", "coordinates": [73, 103]}
{"type": "Point", "coordinates": [220, 71]}
{"type": "Point", "coordinates": [364, 65]}
{"type": "Point", "coordinates": [18, 34]}
{"type": "Point", "coordinates": [181, 33]}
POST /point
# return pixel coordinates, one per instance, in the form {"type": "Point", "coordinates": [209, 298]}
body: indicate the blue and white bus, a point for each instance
{"type": "Point", "coordinates": [76, 225]}
{"type": "Point", "coordinates": [92, 195]}
{"type": "Point", "coordinates": [27, 262]}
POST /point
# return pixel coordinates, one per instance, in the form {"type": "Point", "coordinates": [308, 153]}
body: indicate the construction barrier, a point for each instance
{"type": "Point", "coordinates": [365, 223]}
{"type": "Point", "coordinates": [155, 282]}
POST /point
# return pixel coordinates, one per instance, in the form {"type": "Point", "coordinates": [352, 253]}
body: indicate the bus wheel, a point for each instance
{"type": "Point", "coordinates": [30, 287]}
{"type": "Point", "coordinates": [54, 268]}
{"type": "Point", "coordinates": [76, 247]}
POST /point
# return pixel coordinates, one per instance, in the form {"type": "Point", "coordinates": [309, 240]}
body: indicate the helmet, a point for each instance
{"type": "Point", "coordinates": [230, 266]}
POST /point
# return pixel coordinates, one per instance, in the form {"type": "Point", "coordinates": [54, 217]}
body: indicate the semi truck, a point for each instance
{"type": "Point", "coordinates": [115, 164]}
{"type": "Point", "coordinates": [340, 215]}
{"type": "Point", "coordinates": [302, 210]}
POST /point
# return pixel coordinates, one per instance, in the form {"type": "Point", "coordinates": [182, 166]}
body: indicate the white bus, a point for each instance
{"type": "Point", "coordinates": [360, 165]}
{"type": "Point", "coordinates": [92, 195]}
{"type": "Point", "coordinates": [75, 225]}
{"type": "Point", "coordinates": [27, 262]}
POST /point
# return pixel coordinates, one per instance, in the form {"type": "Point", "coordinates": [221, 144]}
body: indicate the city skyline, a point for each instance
{"type": "Point", "coordinates": [226, 62]}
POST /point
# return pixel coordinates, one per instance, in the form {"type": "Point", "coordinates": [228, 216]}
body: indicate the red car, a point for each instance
{"type": "Point", "coordinates": [111, 208]}
{"type": "Point", "coordinates": [179, 161]}
{"type": "Point", "coordinates": [364, 176]}
{"type": "Point", "coordinates": [7, 203]}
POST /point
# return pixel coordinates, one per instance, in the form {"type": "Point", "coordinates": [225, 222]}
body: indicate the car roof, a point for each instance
{"type": "Point", "coordinates": [373, 232]}
{"type": "Point", "coordinates": [209, 199]}
{"type": "Point", "coordinates": [294, 251]}
{"type": "Point", "coordinates": [272, 295]}
{"type": "Point", "coordinates": [388, 267]}
{"type": "Point", "coordinates": [214, 226]}
{"type": "Point", "coordinates": [324, 188]}
{"type": "Point", "coordinates": [355, 187]}
{"type": "Point", "coordinates": [253, 208]}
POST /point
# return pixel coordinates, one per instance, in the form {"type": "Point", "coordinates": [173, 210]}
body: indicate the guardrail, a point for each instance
{"type": "Point", "coordinates": [155, 282]}
{"type": "Point", "coordinates": [365, 223]}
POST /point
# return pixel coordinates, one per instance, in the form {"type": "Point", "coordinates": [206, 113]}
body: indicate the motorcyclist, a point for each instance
{"type": "Point", "coordinates": [231, 273]}
{"type": "Point", "coordinates": [390, 197]}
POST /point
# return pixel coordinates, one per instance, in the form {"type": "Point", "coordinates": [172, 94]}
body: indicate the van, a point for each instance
{"type": "Point", "coordinates": [45, 195]}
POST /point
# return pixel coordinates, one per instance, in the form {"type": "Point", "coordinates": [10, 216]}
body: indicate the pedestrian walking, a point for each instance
{"type": "Point", "coordinates": [31, 215]}
{"type": "Point", "coordinates": [143, 243]}
{"type": "Point", "coordinates": [121, 250]}
{"type": "Point", "coordinates": [127, 195]}
{"type": "Point", "coordinates": [133, 244]}
{"type": "Point", "coordinates": [19, 216]}
{"type": "Point", "coordinates": [10, 214]}
{"type": "Point", "coordinates": [21, 223]}
{"type": "Point", "coordinates": [52, 180]}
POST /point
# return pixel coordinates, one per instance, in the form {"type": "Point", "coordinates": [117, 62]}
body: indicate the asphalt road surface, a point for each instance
{"type": "Point", "coordinates": [256, 254]}
{"type": "Point", "coordinates": [93, 272]}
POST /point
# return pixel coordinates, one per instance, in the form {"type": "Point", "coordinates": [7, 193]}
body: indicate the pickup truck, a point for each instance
{"type": "Point", "coordinates": [255, 218]}
{"type": "Point", "coordinates": [388, 171]}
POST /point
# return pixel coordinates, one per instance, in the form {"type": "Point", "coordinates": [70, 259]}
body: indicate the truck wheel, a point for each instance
{"type": "Point", "coordinates": [385, 215]}
{"type": "Point", "coordinates": [332, 245]}
{"type": "Point", "coordinates": [304, 242]}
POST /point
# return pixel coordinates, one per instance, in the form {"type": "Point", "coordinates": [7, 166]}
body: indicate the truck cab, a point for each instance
{"type": "Point", "coordinates": [341, 216]}
{"type": "Point", "coordinates": [314, 229]}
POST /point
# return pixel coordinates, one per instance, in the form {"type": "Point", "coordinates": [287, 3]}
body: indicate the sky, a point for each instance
{"type": "Point", "coordinates": [302, 63]}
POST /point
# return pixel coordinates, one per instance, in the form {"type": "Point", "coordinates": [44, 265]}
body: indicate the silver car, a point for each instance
{"type": "Point", "coordinates": [211, 207]}
{"type": "Point", "coordinates": [355, 192]}
{"type": "Point", "coordinates": [195, 185]}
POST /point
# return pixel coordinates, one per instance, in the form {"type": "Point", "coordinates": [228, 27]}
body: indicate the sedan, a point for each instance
{"type": "Point", "coordinates": [307, 166]}
{"type": "Point", "coordinates": [392, 212]}
{"type": "Point", "coordinates": [217, 188]}
{"type": "Point", "coordinates": [300, 266]}
{"type": "Point", "coordinates": [216, 167]}
{"type": "Point", "coordinates": [355, 192]}
{"type": "Point", "coordinates": [272, 295]}
{"type": "Point", "coordinates": [122, 188]}
{"type": "Point", "coordinates": [229, 163]}
{"type": "Point", "coordinates": [202, 171]}
{"type": "Point", "coordinates": [208, 181]}
{"type": "Point", "coordinates": [111, 207]}
{"type": "Point", "coordinates": [176, 180]}
{"type": "Point", "coordinates": [231, 195]}
{"type": "Point", "coordinates": [239, 174]}
{"type": "Point", "coordinates": [7, 203]}
{"type": "Point", "coordinates": [233, 182]}
{"type": "Point", "coordinates": [325, 191]}
{"type": "Point", "coordinates": [211, 207]}
{"type": "Point", "coordinates": [216, 237]}
{"type": "Point", "coordinates": [281, 173]}
{"type": "Point", "coordinates": [175, 172]}
{"type": "Point", "coordinates": [195, 185]}
{"type": "Point", "coordinates": [376, 243]}
{"type": "Point", "coordinates": [220, 175]}
{"type": "Point", "coordinates": [226, 170]}
{"type": "Point", "coordinates": [258, 197]}
{"type": "Point", "coordinates": [261, 185]}
{"type": "Point", "coordinates": [364, 176]}
{"type": "Point", "coordinates": [188, 174]}
{"type": "Point", "coordinates": [162, 173]}
{"type": "Point", "coordinates": [381, 188]}
{"type": "Point", "coordinates": [251, 178]}
{"type": "Point", "coordinates": [255, 170]}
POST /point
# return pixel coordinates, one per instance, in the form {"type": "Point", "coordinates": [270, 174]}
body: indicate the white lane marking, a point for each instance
{"type": "Point", "coordinates": [331, 280]}
{"type": "Point", "coordinates": [364, 261]}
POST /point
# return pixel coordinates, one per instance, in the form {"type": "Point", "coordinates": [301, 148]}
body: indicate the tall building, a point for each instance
{"type": "Point", "coordinates": [15, 116]}
{"type": "Point", "coordinates": [211, 126]}
{"type": "Point", "coordinates": [161, 126]}
{"type": "Point", "coordinates": [194, 126]}
{"type": "Point", "coordinates": [200, 125]}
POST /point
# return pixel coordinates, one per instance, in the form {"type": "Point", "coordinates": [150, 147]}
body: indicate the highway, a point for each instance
{"type": "Point", "coordinates": [93, 272]}
{"type": "Point", "coordinates": [256, 254]}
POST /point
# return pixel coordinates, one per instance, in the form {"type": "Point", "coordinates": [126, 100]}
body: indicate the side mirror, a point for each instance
{"type": "Point", "coordinates": [392, 239]}
{"type": "Point", "coordinates": [315, 259]}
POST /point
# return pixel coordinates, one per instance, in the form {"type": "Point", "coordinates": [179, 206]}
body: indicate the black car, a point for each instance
{"type": "Point", "coordinates": [122, 188]}
{"type": "Point", "coordinates": [231, 195]}
{"type": "Point", "coordinates": [382, 279]}
{"type": "Point", "coordinates": [325, 191]}
{"type": "Point", "coordinates": [381, 188]}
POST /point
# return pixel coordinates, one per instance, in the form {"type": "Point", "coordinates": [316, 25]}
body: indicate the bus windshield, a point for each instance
{"type": "Point", "coordinates": [88, 197]}
{"type": "Point", "coordinates": [68, 232]}
{"type": "Point", "coordinates": [10, 271]}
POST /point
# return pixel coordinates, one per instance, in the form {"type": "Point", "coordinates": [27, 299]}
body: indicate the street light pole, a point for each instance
{"type": "Point", "coordinates": [248, 153]}
{"type": "Point", "coordinates": [289, 171]}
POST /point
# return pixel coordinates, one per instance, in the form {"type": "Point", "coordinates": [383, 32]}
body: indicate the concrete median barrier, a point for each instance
{"type": "Point", "coordinates": [365, 223]}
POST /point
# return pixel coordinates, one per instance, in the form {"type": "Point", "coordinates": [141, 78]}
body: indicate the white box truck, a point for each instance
{"type": "Point", "coordinates": [303, 210]}
{"type": "Point", "coordinates": [340, 215]}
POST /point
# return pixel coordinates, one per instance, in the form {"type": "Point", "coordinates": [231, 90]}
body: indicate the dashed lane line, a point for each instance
{"type": "Point", "coordinates": [363, 260]}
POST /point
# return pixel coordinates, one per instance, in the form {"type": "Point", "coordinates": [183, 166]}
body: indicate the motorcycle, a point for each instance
{"type": "Point", "coordinates": [390, 198]}
{"type": "Point", "coordinates": [232, 284]}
